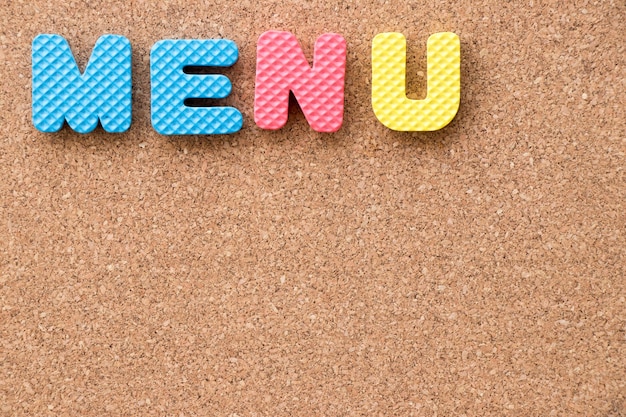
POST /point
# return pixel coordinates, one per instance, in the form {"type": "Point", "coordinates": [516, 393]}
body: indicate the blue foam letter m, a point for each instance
{"type": "Point", "coordinates": [61, 93]}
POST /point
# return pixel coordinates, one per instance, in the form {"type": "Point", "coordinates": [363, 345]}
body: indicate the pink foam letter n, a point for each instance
{"type": "Point", "coordinates": [282, 67]}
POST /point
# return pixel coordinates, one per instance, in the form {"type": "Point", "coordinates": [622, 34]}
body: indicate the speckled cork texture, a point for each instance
{"type": "Point", "coordinates": [478, 270]}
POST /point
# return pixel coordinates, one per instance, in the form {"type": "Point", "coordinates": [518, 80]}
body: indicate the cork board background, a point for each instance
{"type": "Point", "coordinates": [475, 271]}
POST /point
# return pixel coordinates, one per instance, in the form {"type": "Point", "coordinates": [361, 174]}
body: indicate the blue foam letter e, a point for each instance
{"type": "Point", "coordinates": [61, 93]}
{"type": "Point", "coordinates": [171, 86]}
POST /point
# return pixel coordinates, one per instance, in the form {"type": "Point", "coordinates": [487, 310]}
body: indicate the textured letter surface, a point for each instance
{"type": "Point", "coordinates": [171, 86]}
{"type": "Point", "coordinates": [282, 67]}
{"type": "Point", "coordinates": [389, 101]}
{"type": "Point", "coordinates": [61, 92]}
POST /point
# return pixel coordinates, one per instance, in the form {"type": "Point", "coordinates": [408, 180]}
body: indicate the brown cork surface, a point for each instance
{"type": "Point", "coordinates": [475, 271]}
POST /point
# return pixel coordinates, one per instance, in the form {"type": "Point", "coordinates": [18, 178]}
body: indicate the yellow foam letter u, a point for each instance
{"type": "Point", "coordinates": [389, 101]}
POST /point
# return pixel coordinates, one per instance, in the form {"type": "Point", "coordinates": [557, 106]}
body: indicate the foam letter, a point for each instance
{"type": "Point", "coordinates": [61, 93]}
{"type": "Point", "coordinates": [171, 86]}
{"type": "Point", "coordinates": [282, 67]}
{"type": "Point", "coordinates": [389, 100]}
